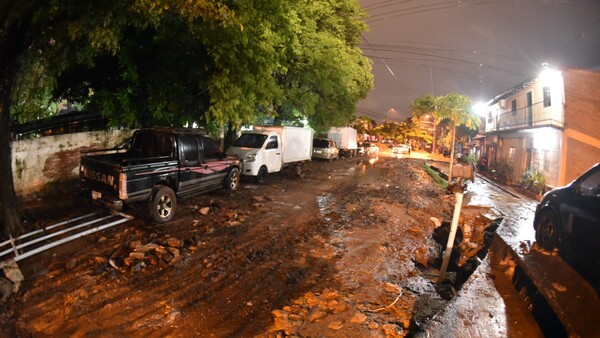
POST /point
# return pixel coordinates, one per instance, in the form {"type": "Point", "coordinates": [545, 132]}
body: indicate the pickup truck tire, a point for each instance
{"type": "Point", "coordinates": [163, 205]}
{"type": "Point", "coordinates": [261, 177]}
{"type": "Point", "coordinates": [232, 181]}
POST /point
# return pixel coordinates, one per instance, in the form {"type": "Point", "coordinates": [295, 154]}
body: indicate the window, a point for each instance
{"type": "Point", "coordinates": [513, 107]}
{"type": "Point", "coordinates": [591, 185]}
{"type": "Point", "coordinates": [547, 97]}
{"type": "Point", "coordinates": [511, 155]}
{"type": "Point", "coordinates": [211, 150]}
{"type": "Point", "coordinates": [273, 144]}
{"type": "Point", "coordinates": [189, 150]}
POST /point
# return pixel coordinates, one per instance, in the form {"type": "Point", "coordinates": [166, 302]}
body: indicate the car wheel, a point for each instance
{"type": "Point", "coordinates": [232, 181]}
{"type": "Point", "coordinates": [261, 177]}
{"type": "Point", "coordinates": [163, 205]}
{"type": "Point", "coordinates": [546, 230]}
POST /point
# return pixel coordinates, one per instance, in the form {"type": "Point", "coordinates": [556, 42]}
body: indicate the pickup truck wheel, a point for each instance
{"type": "Point", "coordinates": [232, 181]}
{"type": "Point", "coordinates": [261, 177]}
{"type": "Point", "coordinates": [163, 205]}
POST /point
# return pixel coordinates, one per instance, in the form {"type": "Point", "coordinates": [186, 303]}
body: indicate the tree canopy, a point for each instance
{"type": "Point", "coordinates": [142, 62]}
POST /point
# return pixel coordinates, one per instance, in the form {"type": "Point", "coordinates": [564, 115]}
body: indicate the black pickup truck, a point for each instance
{"type": "Point", "coordinates": [157, 165]}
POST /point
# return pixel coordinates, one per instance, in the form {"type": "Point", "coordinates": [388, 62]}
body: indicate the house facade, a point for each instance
{"type": "Point", "coordinates": [550, 123]}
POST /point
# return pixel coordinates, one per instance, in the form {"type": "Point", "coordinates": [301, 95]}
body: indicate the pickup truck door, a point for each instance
{"type": "Point", "coordinates": [190, 174]}
{"type": "Point", "coordinates": [214, 164]}
{"type": "Point", "coordinates": [273, 155]}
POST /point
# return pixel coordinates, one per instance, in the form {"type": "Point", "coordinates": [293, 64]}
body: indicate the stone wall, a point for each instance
{"type": "Point", "coordinates": [39, 162]}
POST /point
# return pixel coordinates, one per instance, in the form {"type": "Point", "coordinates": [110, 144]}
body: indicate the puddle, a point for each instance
{"type": "Point", "coordinates": [326, 203]}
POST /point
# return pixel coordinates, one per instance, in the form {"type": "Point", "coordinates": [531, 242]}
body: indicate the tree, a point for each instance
{"type": "Point", "coordinates": [61, 34]}
{"type": "Point", "coordinates": [427, 107]}
{"type": "Point", "coordinates": [363, 125]}
{"type": "Point", "coordinates": [174, 62]}
{"type": "Point", "coordinates": [458, 110]}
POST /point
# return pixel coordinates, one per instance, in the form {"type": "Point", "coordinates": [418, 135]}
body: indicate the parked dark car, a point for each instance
{"type": "Point", "coordinates": [568, 218]}
{"type": "Point", "coordinates": [156, 166]}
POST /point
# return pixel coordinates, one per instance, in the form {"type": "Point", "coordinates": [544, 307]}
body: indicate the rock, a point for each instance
{"type": "Point", "coordinates": [174, 242]}
{"type": "Point", "coordinates": [204, 211]}
{"type": "Point", "coordinates": [138, 267]}
{"type": "Point", "coordinates": [391, 330]}
{"type": "Point", "coordinates": [358, 318]}
{"type": "Point", "coordinates": [5, 289]}
{"type": "Point", "coordinates": [336, 325]}
{"type": "Point", "coordinates": [258, 199]}
{"type": "Point", "coordinates": [174, 252]}
{"type": "Point", "coordinates": [134, 244]}
{"type": "Point", "coordinates": [137, 255]}
{"type": "Point", "coordinates": [282, 322]}
{"type": "Point", "coordinates": [71, 264]}
{"type": "Point", "coordinates": [234, 223]}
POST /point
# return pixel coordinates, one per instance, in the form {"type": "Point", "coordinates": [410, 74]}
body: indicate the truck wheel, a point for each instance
{"type": "Point", "coordinates": [298, 169]}
{"type": "Point", "coordinates": [261, 177]}
{"type": "Point", "coordinates": [232, 181]}
{"type": "Point", "coordinates": [163, 205]}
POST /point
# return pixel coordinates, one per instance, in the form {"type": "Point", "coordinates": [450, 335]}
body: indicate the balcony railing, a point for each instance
{"type": "Point", "coordinates": [525, 117]}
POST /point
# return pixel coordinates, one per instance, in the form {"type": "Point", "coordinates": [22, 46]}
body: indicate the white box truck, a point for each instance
{"type": "Point", "coordinates": [345, 139]}
{"type": "Point", "coordinates": [271, 149]}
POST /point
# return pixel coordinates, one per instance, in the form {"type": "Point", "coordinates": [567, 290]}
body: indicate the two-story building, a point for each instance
{"type": "Point", "coordinates": [550, 122]}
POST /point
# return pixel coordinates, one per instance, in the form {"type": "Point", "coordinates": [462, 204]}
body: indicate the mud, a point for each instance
{"type": "Point", "coordinates": [344, 251]}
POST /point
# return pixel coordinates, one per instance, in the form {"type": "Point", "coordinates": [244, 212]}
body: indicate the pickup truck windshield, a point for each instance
{"type": "Point", "coordinates": [151, 144]}
{"type": "Point", "coordinates": [250, 141]}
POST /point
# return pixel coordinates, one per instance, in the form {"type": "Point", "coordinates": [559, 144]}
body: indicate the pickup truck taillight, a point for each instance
{"type": "Point", "coordinates": [122, 186]}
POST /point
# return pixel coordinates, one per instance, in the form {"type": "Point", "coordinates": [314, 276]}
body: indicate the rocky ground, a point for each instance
{"type": "Point", "coordinates": [348, 250]}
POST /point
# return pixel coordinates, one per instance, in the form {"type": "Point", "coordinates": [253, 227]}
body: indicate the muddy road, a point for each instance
{"type": "Point", "coordinates": [340, 252]}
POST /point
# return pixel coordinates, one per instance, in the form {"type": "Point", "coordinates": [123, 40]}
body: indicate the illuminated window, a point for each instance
{"type": "Point", "coordinates": [511, 155]}
{"type": "Point", "coordinates": [513, 106]}
{"type": "Point", "coordinates": [547, 100]}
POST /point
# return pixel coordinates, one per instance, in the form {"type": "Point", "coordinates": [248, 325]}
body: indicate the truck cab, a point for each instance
{"type": "Point", "coordinates": [271, 149]}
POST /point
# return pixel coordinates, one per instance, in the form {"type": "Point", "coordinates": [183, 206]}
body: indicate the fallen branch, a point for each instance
{"type": "Point", "coordinates": [387, 307]}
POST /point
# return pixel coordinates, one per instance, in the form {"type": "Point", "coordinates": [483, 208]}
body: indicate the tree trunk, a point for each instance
{"type": "Point", "coordinates": [10, 220]}
{"type": "Point", "coordinates": [433, 143]}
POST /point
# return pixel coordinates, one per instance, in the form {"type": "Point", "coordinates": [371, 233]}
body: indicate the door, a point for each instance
{"type": "Point", "coordinates": [190, 171]}
{"type": "Point", "coordinates": [214, 164]}
{"type": "Point", "coordinates": [586, 215]}
{"type": "Point", "coordinates": [529, 109]}
{"type": "Point", "coordinates": [273, 153]}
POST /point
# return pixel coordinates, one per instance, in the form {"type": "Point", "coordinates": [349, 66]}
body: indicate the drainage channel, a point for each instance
{"type": "Point", "coordinates": [530, 288]}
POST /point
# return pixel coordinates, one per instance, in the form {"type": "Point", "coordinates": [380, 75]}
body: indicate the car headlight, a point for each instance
{"type": "Point", "coordinates": [250, 157]}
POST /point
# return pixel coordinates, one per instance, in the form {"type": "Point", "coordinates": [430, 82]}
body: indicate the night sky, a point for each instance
{"type": "Point", "coordinates": [478, 48]}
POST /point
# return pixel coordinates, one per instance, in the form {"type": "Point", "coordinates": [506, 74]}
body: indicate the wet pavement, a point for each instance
{"type": "Point", "coordinates": [544, 297]}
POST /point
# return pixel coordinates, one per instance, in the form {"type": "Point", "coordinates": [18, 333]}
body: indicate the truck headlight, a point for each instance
{"type": "Point", "coordinates": [250, 157]}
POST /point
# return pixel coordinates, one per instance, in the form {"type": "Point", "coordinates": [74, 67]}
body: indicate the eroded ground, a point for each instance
{"type": "Point", "coordinates": [336, 253]}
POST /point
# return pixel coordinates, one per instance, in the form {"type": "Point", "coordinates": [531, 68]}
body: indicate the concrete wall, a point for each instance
{"type": "Point", "coordinates": [581, 140]}
{"type": "Point", "coordinates": [41, 161]}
